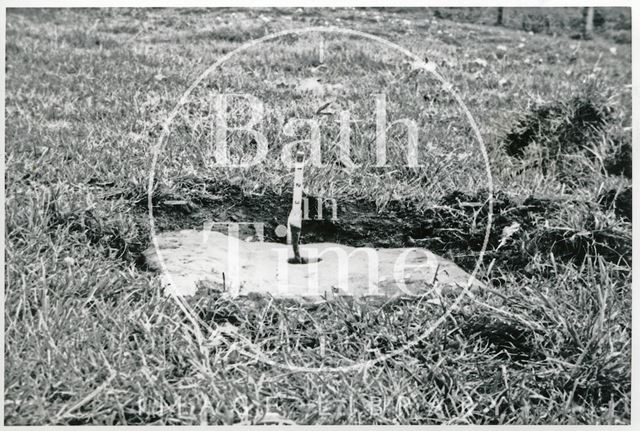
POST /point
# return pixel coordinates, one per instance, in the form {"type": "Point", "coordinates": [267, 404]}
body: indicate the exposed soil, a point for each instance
{"type": "Point", "coordinates": [359, 223]}
{"type": "Point", "coordinates": [618, 200]}
{"type": "Point", "coordinates": [454, 229]}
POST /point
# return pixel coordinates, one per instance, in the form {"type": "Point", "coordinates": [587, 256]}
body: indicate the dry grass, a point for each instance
{"type": "Point", "coordinates": [89, 337]}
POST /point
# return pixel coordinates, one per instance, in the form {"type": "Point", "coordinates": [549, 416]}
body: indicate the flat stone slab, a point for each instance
{"type": "Point", "coordinates": [190, 259]}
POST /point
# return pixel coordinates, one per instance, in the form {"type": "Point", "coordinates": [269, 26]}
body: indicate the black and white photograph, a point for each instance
{"type": "Point", "coordinates": [252, 214]}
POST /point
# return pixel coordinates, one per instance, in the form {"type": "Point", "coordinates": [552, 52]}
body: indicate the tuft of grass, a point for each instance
{"type": "Point", "coordinates": [560, 128]}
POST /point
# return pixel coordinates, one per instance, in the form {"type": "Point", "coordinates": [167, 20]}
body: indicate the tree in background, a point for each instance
{"type": "Point", "coordinates": [587, 13]}
{"type": "Point", "coordinates": [500, 16]}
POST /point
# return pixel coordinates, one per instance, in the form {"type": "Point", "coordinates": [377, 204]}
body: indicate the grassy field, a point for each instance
{"type": "Point", "coordinates": [91, 339]}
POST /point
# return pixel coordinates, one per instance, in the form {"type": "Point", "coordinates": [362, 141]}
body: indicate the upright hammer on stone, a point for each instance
{"type": "Point", "coordinates": [294, 223]}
